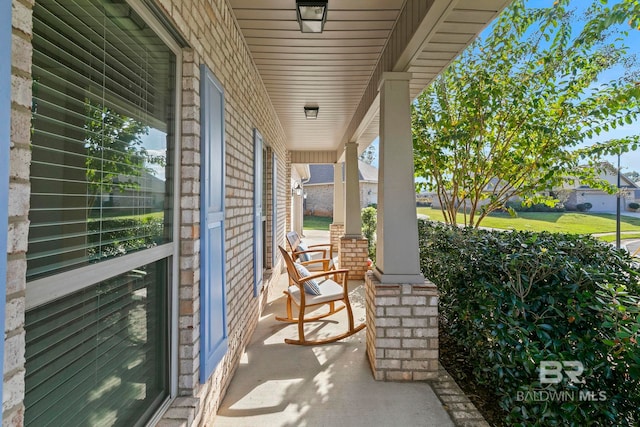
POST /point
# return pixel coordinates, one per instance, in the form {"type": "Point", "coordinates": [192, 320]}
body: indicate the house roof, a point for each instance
{"type": "Point", "coordinates": [609, 173]}
{"type": "Point", "coordinates": [323, 174]}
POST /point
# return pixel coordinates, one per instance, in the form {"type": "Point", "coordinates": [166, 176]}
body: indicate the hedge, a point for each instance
{"type": "Point", "coordinates": [515, 299]}
{"type": "Point", "coordinates": [116, 236]}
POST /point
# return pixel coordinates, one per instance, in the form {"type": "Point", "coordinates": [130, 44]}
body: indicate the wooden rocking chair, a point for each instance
{"type": "Point", "coordinates": [303, 253]}
{"type": "Point", "coordinates": [324, 291]}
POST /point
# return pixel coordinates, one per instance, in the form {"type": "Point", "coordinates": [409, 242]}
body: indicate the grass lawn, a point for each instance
{"type": "Point", "coordinates": [557, 222]}
{"type": "Point", "coordinates": [317, 222]}
{"type": "Point", "coordinates": [623, 236]}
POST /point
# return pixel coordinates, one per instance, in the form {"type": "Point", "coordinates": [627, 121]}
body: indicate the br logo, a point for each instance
{"type": "Point", "coordinates": [551, 372]}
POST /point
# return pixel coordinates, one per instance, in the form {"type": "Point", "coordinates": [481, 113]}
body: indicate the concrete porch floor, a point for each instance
{"type": "Point", "coordinates": [278, 384]}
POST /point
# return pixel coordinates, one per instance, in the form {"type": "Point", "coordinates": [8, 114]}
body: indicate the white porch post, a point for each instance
{"type": "Point", "coordinates": [338, 194]}
{"type": "Point", "coordinates": [336, 229]}
{"type": "Point", "coordinates": [353, 252]}
{"type": "Point", "coordinates": [397, 258]}
{"type": "Point", "coordinates": [402, 307]}
{"type": "Point", "coordinates": [353, 222]}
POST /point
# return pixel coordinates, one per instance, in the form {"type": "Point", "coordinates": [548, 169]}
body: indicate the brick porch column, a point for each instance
{"type": "Point", "coordinates": [402, 336]}
{"type": "Point", "coordinates": [353, 253]}
{"type": "Point", "coordinates": [336, 231]}
{"type": "Point", "coordinates": [402, 307]}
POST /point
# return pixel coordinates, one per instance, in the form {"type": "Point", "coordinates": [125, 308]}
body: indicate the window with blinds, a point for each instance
{"type": "Point", "coordinates": [104, 91]}
{"type": "Point", "coordinates": [96, 357]}
{"type": "Point", "coordinates": [102, 99]}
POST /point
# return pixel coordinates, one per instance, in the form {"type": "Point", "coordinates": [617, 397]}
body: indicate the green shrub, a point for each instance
{"type": "Point", "coordinates": [369, 217]}
{"type": "Point", "coordinates": [115, 236]}
{"type": "Point", "coordinates": [634, 205]}
{"type": "Point", "coordinates": [538, 207]}
{"type": "Point", "coordinates": [583, 207]}
{"type": "Point", "coordinates": [514, 299]}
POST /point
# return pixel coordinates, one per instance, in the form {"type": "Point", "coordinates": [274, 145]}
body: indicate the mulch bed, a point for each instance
{"type": "Point", "coordinates": [453, 360]}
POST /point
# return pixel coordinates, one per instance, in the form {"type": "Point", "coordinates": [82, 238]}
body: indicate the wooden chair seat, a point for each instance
{"type": "Point", "coordinates": [333, 288]}
{"type": "Point", "coordinates": [331, 291]}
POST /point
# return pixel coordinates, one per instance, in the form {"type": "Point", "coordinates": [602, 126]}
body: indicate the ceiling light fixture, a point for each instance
{"type": "Point", "coordinates": [311, 113]}
{"type": "Point", "coordinates": [311, 15]}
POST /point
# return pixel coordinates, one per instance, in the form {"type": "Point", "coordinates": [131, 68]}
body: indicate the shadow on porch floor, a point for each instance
{"type": "Point", "coordinates": [278, 384]}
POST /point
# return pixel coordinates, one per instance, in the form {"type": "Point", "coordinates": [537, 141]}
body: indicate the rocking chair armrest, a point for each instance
{"type": "Point", "coordinates": [325, 273]}
{"type": "Point", "coordinates": [324, 252]}
{"type": "Point", "coordinates": [330, 245]}
{"type": "Point", "coordinates": [322, 244]}
{"type": "Point", "coordinates": [326, 263]}
{"type": "Point", "coordinates": [315, 261]}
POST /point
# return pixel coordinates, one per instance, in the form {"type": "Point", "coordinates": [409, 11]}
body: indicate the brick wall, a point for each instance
{"type": "Point", "coordinates": [336, 231]}
{"type": "Point", "coordinates": [210, 30]}
{"type": "Point", "coordinates": [320, 198]}
{"type": "Point", "coordinates": [19, 191]}
{"type": "Point", "coordinates": [218, 43]}
{"type": "Point", "coordinates": [353, 255]}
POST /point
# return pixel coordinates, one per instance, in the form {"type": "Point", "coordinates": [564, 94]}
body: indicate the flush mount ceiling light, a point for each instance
{"type": "Point", "coordinates": [311, 15]}
{"type": "Point", "coordinates": [311, 112]}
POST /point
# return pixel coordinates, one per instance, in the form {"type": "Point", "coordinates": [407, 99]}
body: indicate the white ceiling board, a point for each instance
{"type": "Point", "coordinates": [336, 69]}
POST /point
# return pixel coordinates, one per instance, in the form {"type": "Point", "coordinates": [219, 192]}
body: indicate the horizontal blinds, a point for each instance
{"type": "Point", "coordinates": [100, 175]}
{"type": "Point", "coordinates": [98, 357]}
{"type": "Point", "coordinates": [110, 46]}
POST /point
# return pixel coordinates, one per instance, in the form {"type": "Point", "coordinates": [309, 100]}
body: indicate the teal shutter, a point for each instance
{"type": "Point", "coordinates": [213, 322]}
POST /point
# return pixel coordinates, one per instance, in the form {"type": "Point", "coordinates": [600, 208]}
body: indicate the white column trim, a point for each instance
{"type": "Point", "coordinates": [338, 194]}
{"type": "Point", "coordinates": [353, 222]}
{"type": "Point", "coordinates": [397, 253]}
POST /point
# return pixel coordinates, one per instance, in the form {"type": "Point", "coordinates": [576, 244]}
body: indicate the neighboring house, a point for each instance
{"type": "Point", "coordinates": [602, 201]}
{"type": "Point", "coordinates": [576, 193]}
{"type": "Point", "coordinates": [318, 190]}
{"type": "Point", "coordinates": [144, 192]}
{"type": "Point", "coordinates": [141, 319]}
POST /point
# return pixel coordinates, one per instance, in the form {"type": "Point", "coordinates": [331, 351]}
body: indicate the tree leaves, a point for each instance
{"type": "Point", "coordinates": [504, 119]}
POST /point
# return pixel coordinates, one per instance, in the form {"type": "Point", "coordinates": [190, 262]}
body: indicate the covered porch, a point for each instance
{"type": "Point", "coordinates": [357, 78]}
{"type": "Point", "coordinates": [220, 107]}
{"type": "Point", "coordinates": [280, 384]}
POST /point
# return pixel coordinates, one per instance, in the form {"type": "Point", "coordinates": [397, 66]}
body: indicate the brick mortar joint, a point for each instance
{"type": "Point", "coordinates": [21, 34]}
{"type": "Point", "coordinates": [15, 71]}
{"type": "Point", "coordinates": [19, 108]}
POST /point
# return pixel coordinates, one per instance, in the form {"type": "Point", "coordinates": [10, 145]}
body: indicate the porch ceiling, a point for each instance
{"type": "Point", "coordinates": [339, 68]}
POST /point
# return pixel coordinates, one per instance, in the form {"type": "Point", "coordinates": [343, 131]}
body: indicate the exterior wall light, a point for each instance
{"type": "Point", "coordinates": [311, 15]}
{"type": "Point", "coordinates": [296, 190]}
{"type": "Point", "coordinates": [311, 113]}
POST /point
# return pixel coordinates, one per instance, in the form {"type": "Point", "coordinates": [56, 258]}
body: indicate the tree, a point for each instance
{"type": "Point", "coordinates": [369, 155]}
{"type": "Point", "coordinates": [633, 176]}
{"type": "Point", "coordinates": [509, 118]}
{"type": "Point", "coordinates": [116, 156]}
